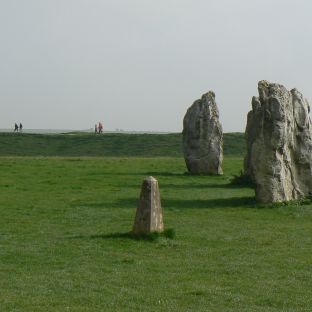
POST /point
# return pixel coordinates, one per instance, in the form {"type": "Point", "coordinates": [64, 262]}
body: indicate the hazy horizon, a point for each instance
{"type": "Point", "coordinates": [138, 65]}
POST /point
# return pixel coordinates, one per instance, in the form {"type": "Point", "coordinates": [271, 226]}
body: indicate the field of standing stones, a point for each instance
{"type": "Point", "coordinates": [279, 142]}
{"type": "Point", "coordinates": [279, 152]}
{"type": "Point", "coordinates": [71, 239]}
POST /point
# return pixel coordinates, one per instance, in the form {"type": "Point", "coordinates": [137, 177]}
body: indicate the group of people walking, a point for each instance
{"type": "Point", "coordinates": [98, 128]}
{"type": "Point", "coordinates": [18, 128]}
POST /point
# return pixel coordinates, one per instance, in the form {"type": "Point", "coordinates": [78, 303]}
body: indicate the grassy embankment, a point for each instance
{"type": "Point", "coordinates": [116, 145]}
{"type": "Point", "coordinates": [62, 244]}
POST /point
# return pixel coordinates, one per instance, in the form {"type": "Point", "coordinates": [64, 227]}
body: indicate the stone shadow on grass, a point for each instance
{"type": "Point", "coordinates": [156, 173]}
{"type": "Point", "coordinates": [143, 174]}
{"type": "Point", "coordinates": [177, 203]}
{"type": "Point", "coordinates": [215, 203]}
{"type": "Point", "coordinates": [150, 237]}
{"type": "Point", "coordinates": [231, 202]}
{"type": "Point", "coordinates": [166, 174]}
{"type": "Point", "coordinates": [94, 205]}
{"type": "Point", "coordinates": [199, 186]}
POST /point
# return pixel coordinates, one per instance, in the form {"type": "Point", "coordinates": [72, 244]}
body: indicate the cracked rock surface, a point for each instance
{"type": "Point", "coordinates": [279, 144]}
{"type": "Point", "coordinates": [203, 137]}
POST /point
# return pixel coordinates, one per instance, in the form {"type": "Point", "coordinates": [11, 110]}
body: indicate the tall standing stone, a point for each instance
{"type": "Point", "coordinates": [203, 137]}
{"type": "Point", "coordinates": [149, 217]}
{"type": "Point", "coordinates": [279, 144]}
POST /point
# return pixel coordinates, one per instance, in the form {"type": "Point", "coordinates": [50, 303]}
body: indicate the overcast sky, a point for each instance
{"type": "Point", "coordinates": [139, 64]}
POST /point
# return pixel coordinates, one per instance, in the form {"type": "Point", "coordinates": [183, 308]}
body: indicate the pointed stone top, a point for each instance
{"type": "Point", "coordinates": [209, 94]}
{"type": "Point", "coordinates": [150, 178]}
{"type": "Point", "coordinates": [149, 216]}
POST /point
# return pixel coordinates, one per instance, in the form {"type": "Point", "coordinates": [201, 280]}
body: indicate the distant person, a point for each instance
{"type": "Point", "coordinates": [20, 127]}
{"type": "Point", "coordinates": [95, 129]}
{"type": "Point", "coordinates": [15, 127]}
{"type": "Point", "coordinates": [100, 130]}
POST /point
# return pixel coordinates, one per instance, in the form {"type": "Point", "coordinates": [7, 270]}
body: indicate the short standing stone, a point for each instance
{"type": "Point", "coordinates": [149, 217]}
{"type": "Point", "coordinates": [203, 137]}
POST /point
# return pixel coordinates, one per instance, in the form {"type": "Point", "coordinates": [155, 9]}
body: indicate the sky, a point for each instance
{"type": "Point", "coordinates": [137, 65]}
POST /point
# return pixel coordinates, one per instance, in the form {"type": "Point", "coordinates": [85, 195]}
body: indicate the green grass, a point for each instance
{"type": "Point", "coordinates": [125, 145]}
{"type": "Point", "coordinates": [63, 242]}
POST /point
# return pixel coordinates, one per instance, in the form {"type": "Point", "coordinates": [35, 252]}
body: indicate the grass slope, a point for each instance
{"type": "Point", "coordinates": [81, 144]}
{"type": "Point", "coordinates": [63, 245]}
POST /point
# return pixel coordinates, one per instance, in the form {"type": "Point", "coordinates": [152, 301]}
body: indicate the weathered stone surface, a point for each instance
{"type": "Point", "coordinates": [203, 137]}
{"type": "Point", "coordinates": [149, 217]}
{"type": "Point", "coordinates": [279, 144]}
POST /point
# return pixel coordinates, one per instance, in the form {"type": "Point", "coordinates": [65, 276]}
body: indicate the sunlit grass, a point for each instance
{"type": "Point", "coordinates": [64, 244]}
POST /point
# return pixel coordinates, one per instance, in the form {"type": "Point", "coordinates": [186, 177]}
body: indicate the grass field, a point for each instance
{"type": "Point", "coordinates": [62, 243]}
